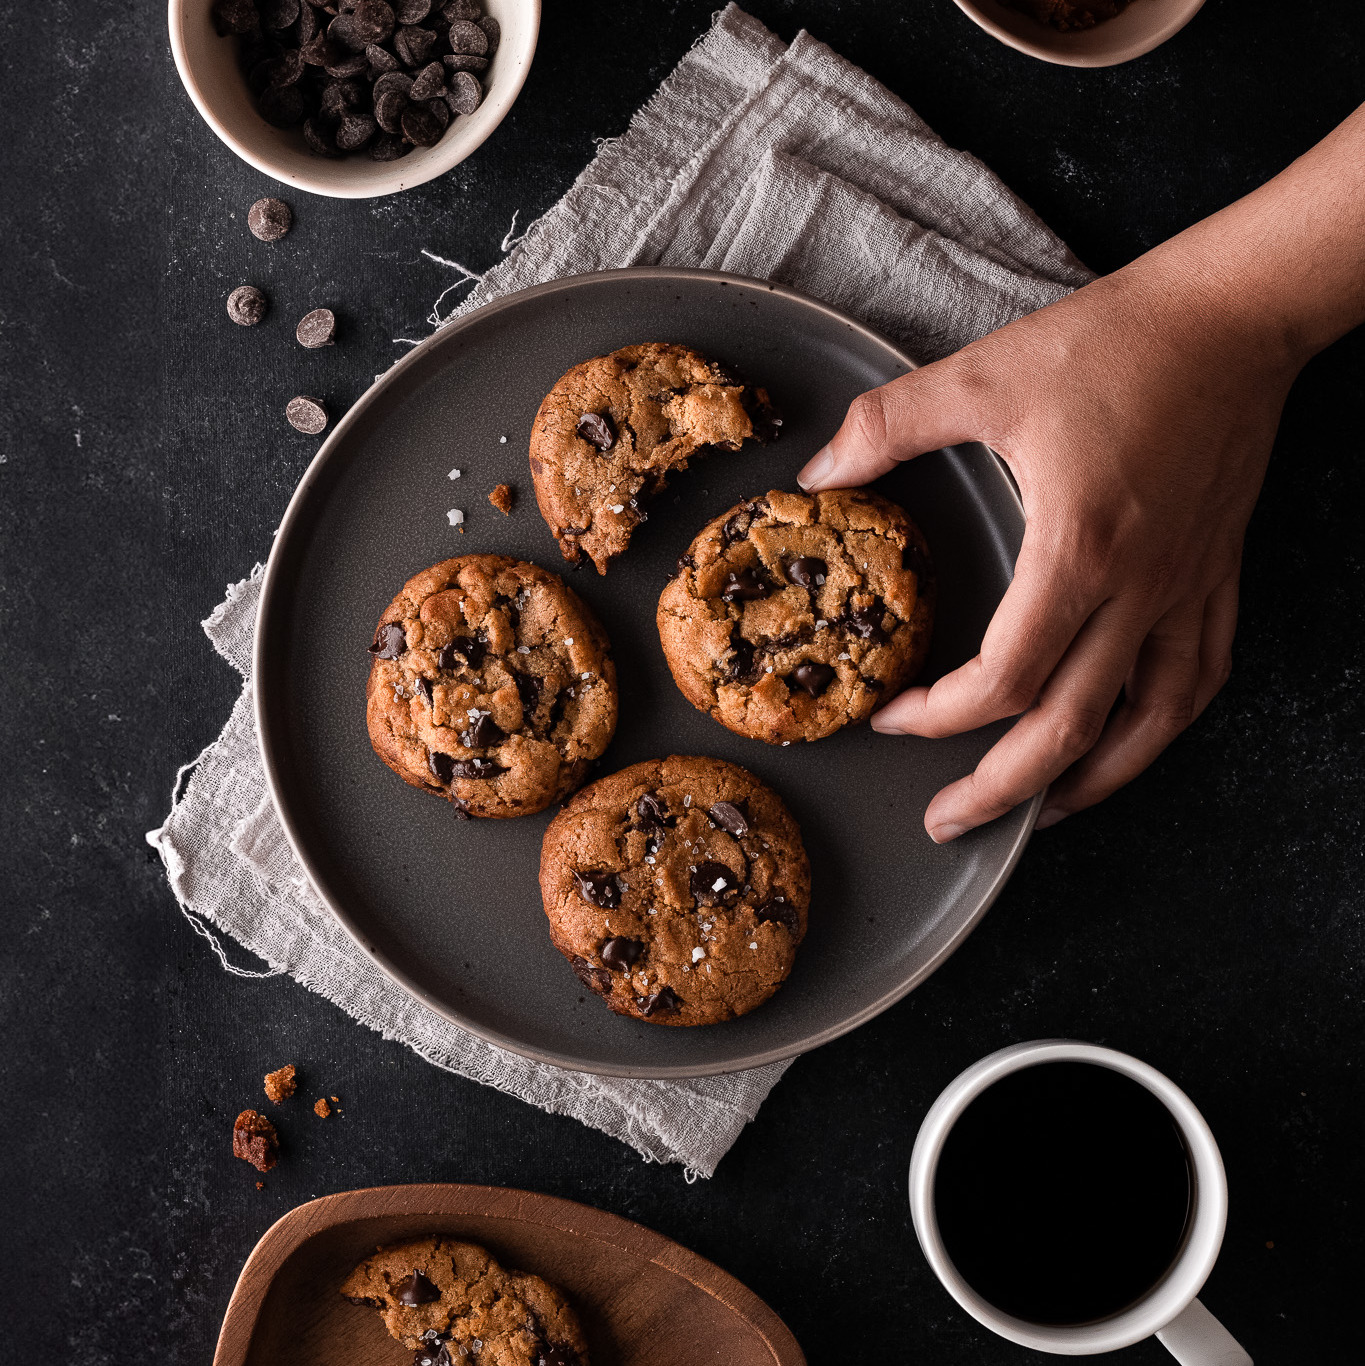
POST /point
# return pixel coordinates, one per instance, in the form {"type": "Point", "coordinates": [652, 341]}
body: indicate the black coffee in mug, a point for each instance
{"type": "Point", "coordinates": [1063, 1192]}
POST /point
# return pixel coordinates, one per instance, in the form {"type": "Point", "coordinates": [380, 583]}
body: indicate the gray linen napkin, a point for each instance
{"type": "Point", "coordinates": [777, 162]}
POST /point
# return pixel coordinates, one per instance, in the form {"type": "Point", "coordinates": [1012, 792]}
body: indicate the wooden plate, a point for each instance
{"type": "Point", "coordinates": [643, 1299]}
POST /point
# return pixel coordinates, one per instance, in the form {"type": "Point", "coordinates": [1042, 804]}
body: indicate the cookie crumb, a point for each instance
{"type": "Point", "coordinates": [279, 1085]}
{"type": "Point", "coordinates": [254, 1140]}
{"type": "Point", "coordinates": [501, 498]}
{"type": "Point", "coordinates": [260, 1185]}
{"type": "Point", "coordinates": [336, 1100]}
{"type": "Point", "coordinates": [320, 1107]}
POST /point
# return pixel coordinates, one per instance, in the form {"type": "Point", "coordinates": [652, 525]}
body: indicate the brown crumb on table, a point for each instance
{"type": "Point", "coordinates": [260, 1185]}
{"type": "Point", "coordinates": [336, 1100]}
{"type": "Point", "coordinates": [502, 498]}
{"type": "Point", "coordinates": [254, 1140]}
{"type": "Point", "coordinates": [320, 1107]}
{"type": "Point", "coordinates": [279, 1085]}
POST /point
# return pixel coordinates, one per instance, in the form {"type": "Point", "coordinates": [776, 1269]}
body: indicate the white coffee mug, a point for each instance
{"type": "Point", "coordinates": [1169, 1309]}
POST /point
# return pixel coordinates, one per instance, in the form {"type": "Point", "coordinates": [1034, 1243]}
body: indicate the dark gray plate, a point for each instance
{"type": "Point", "coordinates": [452, 909]}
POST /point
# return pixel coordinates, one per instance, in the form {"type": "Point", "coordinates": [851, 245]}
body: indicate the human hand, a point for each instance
{"type": "Point", "coordinates": [1137, 417]}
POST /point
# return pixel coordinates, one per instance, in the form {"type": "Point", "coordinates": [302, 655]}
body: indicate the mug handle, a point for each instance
{"type": "Point", "coordinates": [1195, 1338]}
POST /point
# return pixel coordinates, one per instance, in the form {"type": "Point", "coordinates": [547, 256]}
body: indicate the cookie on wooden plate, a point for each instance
{"type": "Point", "coordinates": [492, 686]}
{"type": "Point", "coordinates": [677, 889]}
{"type": "Point", "coordinates": [793, 615]}
{"type": "Point", "coordinates": [453, 1303]}
{"type": "Point", "coordinates": [609, 432]}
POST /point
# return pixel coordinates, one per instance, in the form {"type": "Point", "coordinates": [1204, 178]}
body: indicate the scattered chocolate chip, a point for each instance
{"type": "Point", "coordinates": [482, 733]}
{"type": "Point", "coordinates": [464, 94]}
{"type": "Point", "coordinates": [386, 147]}
{"type": "Point", "coordinates": [351, 64]}
{"type": "Point", "coordinates": [711, 881]}
{"type": "Point", "coordinates": [388, 111]}
{"type": "Point", "coordinates": [468, 38]}
{"type": "Point", "coordinates": [395, 80]}
{"type": "Point", "coordinates": [596, 430]}
{"type": "Point", "coordinates": [813, 677]}
{"type": "Point", "coordinates": [269, 219]}
{"type": "Point", "coordinates": [306, 415]}
{"type": "Point", "coordinates": [246, 305]}
{"type": "Point", "coordinates": [806, 572]}
{"type": "Point", "coordinates": [413, 45]}
{"type": "Point", "coordinates": [423, 688]}
{"type": "Point", "coordinates": [317, 328]}
{"type": "Point", "coordinates": [619, 953]}
{"type": "Point", "coordinates": [411, 11]}
{"type": "Point", "coordinates": [380, 61]}
{"type": "Point", "coordinates": [416, 1290]}
{"type": "Point", "coordinates": [779, 909]}
{"type": "Point", "coordinates": [475, 768]}
{"type": "Point", "coordinates": [459, 61]}
{"type": "Point", "coordinates": [652, 811]}
{"type": "Point", "coordinates": [492, 30]}
{"type": "Point", "coordinates": [468, 650]}
{"type": "Point", "coordinates": [281, 106]}
{"type": "Point", "coordinates": [744, 585]}
{"type": "Point", "coordinates": [442, 766]}
{"type": "Point", "coordinates": [455, 10]}
{"type": "Point", "coordinates": [355, 132]}
{"type": "Point", "coordinates": [320, 139]}
{"type": "Point", "coordinates": [420, 126]}
{"type": "Point", "coordinates": [390, 640]}
{"type": "Point", "coordinates": [600, 888]}
{"type": "Point", "coordinates": [730, 818]}
{"type": "Point", "coordinates": [596, 979]}
{"type": "Point", "coordinates": [663, 999]}
{"type": "Point", "coordinates": [233, 16]}
{"type": "Point", "coordinates": [867, 621]}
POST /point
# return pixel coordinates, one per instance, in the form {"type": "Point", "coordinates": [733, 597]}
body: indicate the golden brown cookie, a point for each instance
{"type": "Point", "coordinates": [791, 616]}
{"type": "Point", "coordinates": [609, 432]}
{"type": "Point", "coordinates": [677, 889]}
{"type": "Point", "coordinates": [455, 1304]}
{"type": "Point", "coordinates": [492, 685]}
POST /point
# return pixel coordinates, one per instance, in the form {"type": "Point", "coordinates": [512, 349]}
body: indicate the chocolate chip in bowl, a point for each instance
{"type": "Point", "coordinates": [1081, 32]}
{"type": "Point", "coordinates": [353, 98]}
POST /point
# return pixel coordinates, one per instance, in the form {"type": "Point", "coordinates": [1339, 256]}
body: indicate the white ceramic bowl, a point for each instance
{"type": "Point", "coordinates": [208, 67]}
{"type": "Point", "coordinates": [1145, 24]}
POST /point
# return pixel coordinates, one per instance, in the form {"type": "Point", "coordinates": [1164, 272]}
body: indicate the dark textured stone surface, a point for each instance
{"type": "Point", "coordinates": [1208, 918]}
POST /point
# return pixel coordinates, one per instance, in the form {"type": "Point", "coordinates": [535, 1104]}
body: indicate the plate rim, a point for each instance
{"type": "Point", "coordinates": [509, 1204]}
{"type": "Point", "coordinates": [271, 761]}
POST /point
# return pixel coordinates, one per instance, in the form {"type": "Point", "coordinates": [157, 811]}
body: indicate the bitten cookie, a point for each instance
{"type": "Point", "coordinates": [609, 432]}
{"type": "Point", "coordinates": [791, 616]}
{"type": "Point", "coordinates": [491, 685]}
{"type": "Point", "coordinates": [677, 889]}
{"type": "Point", "coordinates": [454, 1303]}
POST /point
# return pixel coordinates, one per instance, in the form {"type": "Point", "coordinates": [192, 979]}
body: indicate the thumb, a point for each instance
{"type": "Point", "coordinates": [916, 413]}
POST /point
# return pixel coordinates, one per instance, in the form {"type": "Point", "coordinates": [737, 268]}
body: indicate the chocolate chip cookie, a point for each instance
{"type": "Point", "coordinates": [454, 1303]}
{"type": "Point", "coordinates": [677, 889]}
{"type": "Point", "coordinates": [609, 432]}
{"type": "Point", "coordinates": [791, 616]}
{"type": "Point", "coordinates": [491, 686]}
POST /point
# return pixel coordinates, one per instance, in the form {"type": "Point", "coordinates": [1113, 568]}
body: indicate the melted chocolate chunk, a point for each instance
{"type": "Point", "coordinates": [736, 526]}
{"type": "Point", "coordinates": [813, 677]}
{"type": "Point", "coordinates": [389, 641]}
{"type": "Point", "coordinates": [711, 881]}
{"type": "Point", "coordinates": [779, 909]}
{"type": "Point", "coordinates": [423, 687]}
{"type": "Point", "coordinates": [596, 430]}
{"type": "Point", "coordinates": [475, 768]}
{"type": "Point", "coordinates": [595, 979]}
{"type": "Point", "coordinates": [730, 818]}
{"type": "Point", "coordinates": [915, 560]}
{"type": "Point", "coordinates": [619, 953]}
{"type": "Point", "coordinates": [652, 811]}
{"type": "Point", "coordinates": [528, 689]}
{"type": "Point", "coordinates": [767, 424]}
{"type": "Point", "coordinates": [546, 1355]}
{"type": "Point", "coordinates": [663, 999]}
{"type": "Point", "coordinates": [416, 1290]}
{"type": "Point", "coordinates": [867, 622]}
{"type": "Point", "coordinates": [600, 888]}
{"type": "Point", "coordinates": [468, 650]}
{"type": "Point", "coordinates": [685, 562]}
{"type": "Point", "coordinates": [482, 733]}
{"type": "Point", "coordinates": [807, 572]}
{"type": "Point", "coordinates": [739, 667]}
{"type": "Point", "coordinates": [441, 765]}
{"type": "Point", "coordinates": [744, 585]}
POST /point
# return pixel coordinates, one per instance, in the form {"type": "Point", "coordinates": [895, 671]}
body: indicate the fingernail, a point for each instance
{"type": "Point", "coordinates": [884, 725]}
{"type": "Point", "coordinates": [1049, 815]}
{"type": "Point", "coordinates": [941, 834]}
{"type": "Point", "coordinates": [816, 469]}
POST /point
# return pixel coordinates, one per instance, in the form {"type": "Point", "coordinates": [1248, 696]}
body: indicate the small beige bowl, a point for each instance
{"type": "Point", "coordinates": [1145, 24]}
{"type": "Point", "coordinates": [208, 67]}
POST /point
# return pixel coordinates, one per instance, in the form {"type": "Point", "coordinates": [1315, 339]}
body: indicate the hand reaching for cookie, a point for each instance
{"type": "Point", "coordinates": [1137, 417]}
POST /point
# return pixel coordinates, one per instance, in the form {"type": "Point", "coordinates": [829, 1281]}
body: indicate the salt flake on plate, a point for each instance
{"type": "Point", "coordinates": [456, 516]}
